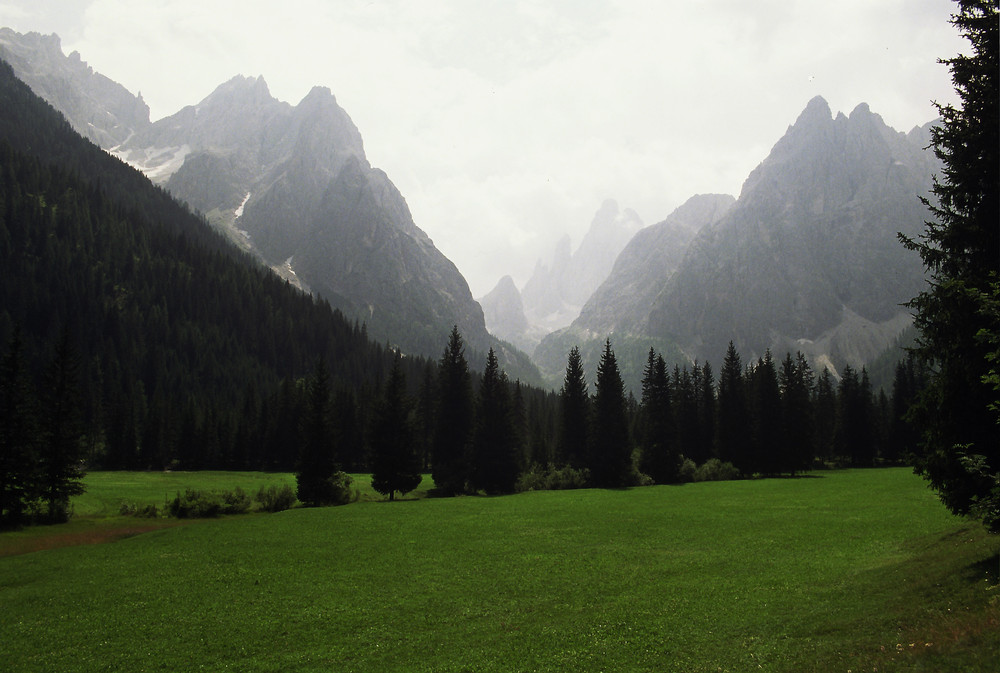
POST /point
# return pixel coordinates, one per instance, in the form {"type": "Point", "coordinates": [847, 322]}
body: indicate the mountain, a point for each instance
{"type": "Point", "coordinates": [186, 349]}
{"type": "Point", "coordinates": [556, 291]}
{"type": "Point", "coordinates": [639, 273]}
{"type": "Point", "coordinates": [806, 259]}
{"type": "Point", "coordinates": [505, 316]}
{"type": "Point", "coordinates": [292, 185]}
{"type": "Point", "coordinates": [295, 186]}
{"type": "Point", "coordinates": [98, 108]}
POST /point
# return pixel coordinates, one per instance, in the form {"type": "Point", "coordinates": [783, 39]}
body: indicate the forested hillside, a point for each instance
{"type": "Point", "coordinates": [181, 340]}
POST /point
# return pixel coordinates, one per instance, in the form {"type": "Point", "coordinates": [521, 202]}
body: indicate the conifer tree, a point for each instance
{"type": "Point", "coordinates": [765, 416]}
{"type": "Point", "coordinates": [958, 315]}
{"type": "Point", "coordinates": [660, 459]}
{"type": "Point", "coordinates": [395, 464]}
{"type": "Point", "coordinates": [733, 428]}
{"type": "Point", "coordinates": [825, 418]}
{"type": "Point", "coordinates": [18, 436]}
{"type": "Point", "coordinates": [317, 462]}
{"type": "Point", "coordinates": [574, 413]}
{"type": "Point", "coordinates": [453, 429]}
{"type": "Point", "coordinates": [610, 449]}
{"type": "Point", "coordinates": [797, 434]}
{"type": "Point", "coordinates": [494, 459]}
{"type": "Point", "coordinates": [61, 454]}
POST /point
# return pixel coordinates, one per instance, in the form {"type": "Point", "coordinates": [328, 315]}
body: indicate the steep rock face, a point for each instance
{"type": "Point", "coordinates": [808, 258]}
{"type": "Point", "coordinates": [555, 292]}
{"type": "Point", "coordinates": [647, 263]}
{"type": "Point", "coordinates": [292, 183]}
{"type": "Point", "coordinates": [504, 313]}
{"type": "Point", "coordinates": [97, 108]}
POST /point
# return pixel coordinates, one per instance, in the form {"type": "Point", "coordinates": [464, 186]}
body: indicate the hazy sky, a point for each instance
{"type": "Point", "coordinates": [506, 123]}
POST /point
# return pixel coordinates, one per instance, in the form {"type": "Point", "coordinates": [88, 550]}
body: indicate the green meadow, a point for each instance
{"type": "Point", "coordinates": [840, 571]}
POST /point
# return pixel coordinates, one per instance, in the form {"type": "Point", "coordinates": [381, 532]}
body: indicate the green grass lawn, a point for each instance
{"type": "Point", "coordinates": [853, 570]}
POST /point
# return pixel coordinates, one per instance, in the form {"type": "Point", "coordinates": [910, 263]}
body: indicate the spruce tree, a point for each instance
{"type": "Point", "coordinates": [610, 448]}
{"type": "Point", "coordinates": [958, 315]}
{"type": "Point", "coordinates": [317, 462]}
{"type": "Point", "coordinates": [61, 465]}
{"type": "Point", "coordinates": [453, 429]}
{"type": "Point", "coordinates": [494, 458]}
{"type": "Point", "coordinates": [19, 479]}
{"type": "Point", "coordinates": [733, 425]}
{"type": "Point", "coordinates": [797, 435]}
{"type": "Point", "coordinates": [660, 459]}
{"type": "Point", "coordinates": [765, 416]}
{"type": "Point", "coordinates": [574, 413]}
{"type": "Point", "coordinates": [395, 464]}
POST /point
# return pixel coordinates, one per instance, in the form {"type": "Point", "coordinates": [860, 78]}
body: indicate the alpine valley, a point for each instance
{"type": "Point", "coordinates": [806, 259]}
{"type": "Point", "coordinates": [289, 183]}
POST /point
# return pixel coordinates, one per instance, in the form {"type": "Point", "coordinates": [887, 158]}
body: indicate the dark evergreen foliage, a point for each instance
{"type": "Point", "coordinates": [395, 464]}
{"type": "Point", "coordinates": [574, 414]}
{"type": "Point", "coordinates": [495, 464]}
{"type": "Point", "coordinates": [455, 417]}
{"type": "Point", "coordinates": [610, 448]}
{"type": "Point", "coordinates": [660, 458]}
{"type": "Point", "coordinates": [733, 426]}
{"type": "Point", "coordinates": [317, 458]}
{"type": "Point", "coordinates": [958, 315]}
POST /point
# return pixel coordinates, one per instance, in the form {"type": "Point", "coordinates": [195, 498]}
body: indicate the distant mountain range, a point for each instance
{"type": "Point", "coordinates": [553, 296]}
{"type": "Point", "coordinates": [289, 183]}
{"type": "Point", "coordinates": [806, 259]}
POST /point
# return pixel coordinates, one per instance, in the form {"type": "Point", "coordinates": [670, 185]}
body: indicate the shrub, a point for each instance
{"type": "Point", "coordinates": [235, 501]}
{"type": "Point", "coordinates": [195, 505]}
{"type": "Point", "coordinates": [272, 498]}
{"type": "Point", "coordinates": [552, 478]}
{"type": "Point", "coordinates": [129, 508]}
{"type": "Point", "coordinates": [714, 469]}
{"type": "Point", "coordinates": [687, 471]}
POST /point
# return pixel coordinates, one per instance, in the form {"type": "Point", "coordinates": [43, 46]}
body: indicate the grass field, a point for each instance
{"type": "Point", "coordinates": [853, 570]}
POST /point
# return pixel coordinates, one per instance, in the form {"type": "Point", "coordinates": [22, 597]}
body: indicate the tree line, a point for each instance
{"type": "Point", "coordinates": [486, 433]}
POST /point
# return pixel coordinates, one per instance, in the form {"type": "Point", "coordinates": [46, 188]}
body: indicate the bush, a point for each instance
{"type": "Point", "coordinates": [129, 508]}
{"type": "Point", "coordinates": [714, 469]}
{"type": "Point", "coordinates": [195, 505]}
{"type": "Point", "coordinates": [235, 501]}
{"type": "Point", "coordinates": [274, 498]}
{"type": "Point", "coordinates": [687, 471]}
{"type": "Point", "coordinates": [552, 478]}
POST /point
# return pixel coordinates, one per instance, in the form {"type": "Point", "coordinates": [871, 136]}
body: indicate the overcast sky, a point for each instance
{"type": "Point", "coordinates": [506, 123]}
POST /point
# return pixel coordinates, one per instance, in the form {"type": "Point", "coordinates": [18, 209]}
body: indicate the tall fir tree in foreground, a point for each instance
{"type": "Point", "coordinates": [574, 413]}
{"type": "Point", "coordinates": [958, 315]}
{"type": "Point", "coordinates": [395, 464]}
{"type": "Point", "coordinates": [494, 458]}
{"type": "Point", "coordinates": [610, 451]}
{"type": "Point", "coordinates": [453, 431]}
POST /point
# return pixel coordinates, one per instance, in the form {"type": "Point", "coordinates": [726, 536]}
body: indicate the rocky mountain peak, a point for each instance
{"type": "Point", "coordinates": [98, 108]}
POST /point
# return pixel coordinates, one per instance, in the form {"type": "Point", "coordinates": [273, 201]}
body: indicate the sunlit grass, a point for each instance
{"type": "Point", "coordinates": [829, 573]}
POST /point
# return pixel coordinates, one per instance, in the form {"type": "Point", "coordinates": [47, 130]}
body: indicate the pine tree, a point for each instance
{"type": "Point", "coordinates": [959, 314]}
{"type": "Point", "coordinates": [798, 421]}
{"type": "Point", "coordinates": [660, 459]}
{"type": "Point", "coordinates": [494, 461]}
{"type": "Point", "coordinates": [825, 416]}
{"type": "Point", "coordinates": [395, 464]}
{"type": "Point", "coordinates": [61, 465]}
{"type": "Point", "coordinates": [765, 416]}
{"type": "Point", "coordinates": [19, 479]}
{"type": "Point", "coordinates": [610, 448]}
{"type": "Point", "coordinates": [453, 430]}
{"type": "Point", "coordinates": [317, 462]}
{"type": "Point", "coordinates": [733, 427]}
{"type": "Point", "coordinates": [574, 413]}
